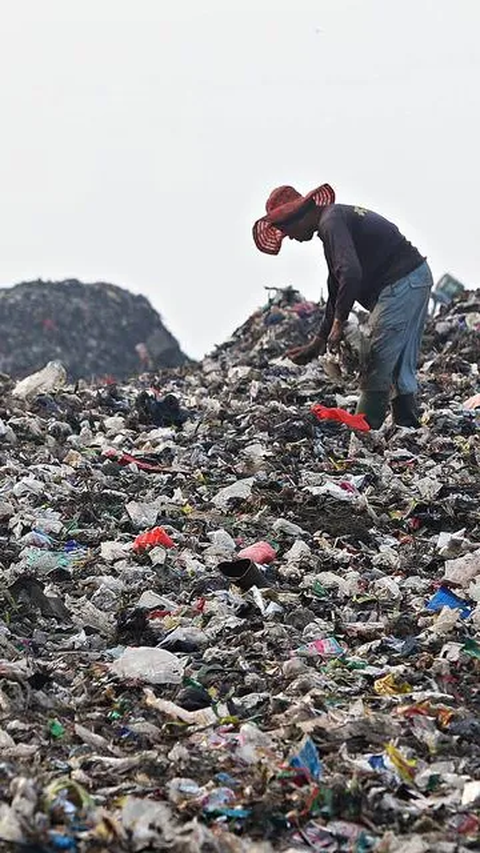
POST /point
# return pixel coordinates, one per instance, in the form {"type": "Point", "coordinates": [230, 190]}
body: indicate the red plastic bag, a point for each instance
{"type": "Point", "coordinates": [152, 538]}
{"type": "Point", "coordinates": [340, 415]}
{"type": "Point", "coordinates": [127, 459]}
{"type": "Point", "coordinates": [260, 552]}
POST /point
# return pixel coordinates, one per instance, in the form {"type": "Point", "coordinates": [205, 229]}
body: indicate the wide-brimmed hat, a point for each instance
{"type": "Point", "coordinates": [285, 203]}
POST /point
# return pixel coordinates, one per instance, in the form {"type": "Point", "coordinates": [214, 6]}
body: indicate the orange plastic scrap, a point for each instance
{"type": "Point", "coordinates": [357, 422]}
{"type": "Point", "coordinates": [153, 538]}
{"type": "Point", "coordinates": [442, 714]}
{"type": "Point", "coordinates": [421, 709]}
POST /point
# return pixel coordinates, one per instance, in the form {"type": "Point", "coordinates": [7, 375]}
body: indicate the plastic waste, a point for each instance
{"type": "Point", "coordinates": [453, 544]}
{"type": "Point", "coordinates": [221, 801]}
{"type": "Point", "coordinates": [130, 459]}
{"type": "Point", "coordinates": [155, 666]}
{"type": "Point", "coordinates": [462, 570]}
{"type": "Point", "coordinates": [307, 759]}
{"type": "Point", "coordinates": [253, 745]}
{"type": "Point", "coordinates": [472, 402]}
{"type": "Point", "coordinates": [259, 552]}
{"type": "Point", "coordinates": [240, 490]}
{"type": "Point", "coordinates": [221, 540]}
{"type": "Point", "coordinates": [152, 539]}
{"type": "Point", "coordinates": [56, 729]}
{"type": "Point", "coordinates": [326, 648]}
{"type": "Point", "coordinates": [356, 422]}
{"type": "Point", "coordinates": [142, 514]}
{"type": "Point", "coordinates": [147, 821]}
{"type": "Point", "coordinates": [51, 378]}
{"type": "Point", "coordinates": [181, 790]}
{"type": "Point", "coordinates": [444, 597]}
{"type": "Point", "coordinates": [202, 717]}
{"type": "Point", "coordinates": [284, 525]}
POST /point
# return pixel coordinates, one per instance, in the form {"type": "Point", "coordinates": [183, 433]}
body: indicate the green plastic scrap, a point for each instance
{"type": "Point", "coordinates": [56, 729]}
{"type": "Point", "coordinates": [319, 590]}
{"type": "Point", "coordinates": [471, 648]}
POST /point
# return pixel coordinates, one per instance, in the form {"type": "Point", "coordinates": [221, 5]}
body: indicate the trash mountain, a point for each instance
{"type": "Point", "coordinates": [228, 626]}
{"type": "Point", "coordinates": [95, 330]}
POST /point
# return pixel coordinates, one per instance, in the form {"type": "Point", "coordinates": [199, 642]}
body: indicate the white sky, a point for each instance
{"type": "Point", "coordinates": [140, 138]}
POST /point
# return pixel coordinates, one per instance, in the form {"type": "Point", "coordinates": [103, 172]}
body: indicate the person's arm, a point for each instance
{"type": "Point", "coordinates": [343, 263]}
{"type": "Point", "coordinates": [329, 315]}
{"type": "Point", "coordinates": [318, 345]}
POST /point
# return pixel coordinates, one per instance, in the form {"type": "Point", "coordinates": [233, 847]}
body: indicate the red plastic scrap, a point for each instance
{"type": "Point", "coordinates": [357, 422]}
{"type": "Point", "coordinates": [304, 309]}
{"type": "Point", "coordinates": [159, 614]}
{"type": "Point", "coordinates": [469, 825]}
{"type": "Point", "coordinates": [127, 459]}
{"type": "Point", "coordinates": [348, 487]}
{"type": "Point", "coordinates": [152, 538]}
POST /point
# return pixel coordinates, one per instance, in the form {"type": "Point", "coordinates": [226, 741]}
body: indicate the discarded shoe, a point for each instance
{"type": "Point", "coordinates": [244, 573]}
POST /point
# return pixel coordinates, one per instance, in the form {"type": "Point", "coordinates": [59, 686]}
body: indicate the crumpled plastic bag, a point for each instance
{"type": "Point", "coordinates": [152, 665]}
{"type": "Point", "coordinates": [356, 422]}
{"type": "Point", "coordinates": [151, 539]}
{"type": "Point", "coordinates": [241, 489]}
{"type": "Point", "coordinates": [463, 569]}
{"type": "Point", "coordinates": [260, 552]}
{"type": "Point", "coordinates": [52, 377]}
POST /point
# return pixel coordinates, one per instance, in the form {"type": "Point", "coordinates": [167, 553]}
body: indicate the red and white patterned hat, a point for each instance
{"type": "Point", "coordinates": [282, 204]}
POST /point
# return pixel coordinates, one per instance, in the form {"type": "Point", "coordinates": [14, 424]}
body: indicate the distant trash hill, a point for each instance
{"type": "Point", "coordinates": [96, 330]}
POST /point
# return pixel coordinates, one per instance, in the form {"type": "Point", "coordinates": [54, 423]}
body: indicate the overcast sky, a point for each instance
{"type": "Point", "coordinates": [140, 138]}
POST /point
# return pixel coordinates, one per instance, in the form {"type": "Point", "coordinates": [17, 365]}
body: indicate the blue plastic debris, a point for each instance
{"type": "Point", "coordinates": [62, 842]}
{"type": "Point", "coordinates": [377, 762]}
{"type": "Point", "coordinates": [234, 813]}
{"type": "Point", "coordinates": [444, 597]}
{"type": "Point", "coordinates": [308, 759]}
{"type": "Point", "coordinates": [226, 779]}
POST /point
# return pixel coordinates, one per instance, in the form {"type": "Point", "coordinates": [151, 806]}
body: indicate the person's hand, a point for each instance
{"type": "Point", "coordinates": [304, 354]}
{"type": "Point", "coordinates": [335, 336]}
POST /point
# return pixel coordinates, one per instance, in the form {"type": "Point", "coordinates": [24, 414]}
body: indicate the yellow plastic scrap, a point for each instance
{"type": "Point", "coordinates": [108, 829]}
{"type": "Point", "coordinates": [395, 514]}
{"type": "Point", "coordinates": [338, 464]}
{"type": "Point", "coordinates": [462, 444]}
{"type": "Point", "coordinates": [67, 786]}
{"type": "Point", "coordinates": [387, 686]}
{"type": "Point", "coordinates": [405, 767]}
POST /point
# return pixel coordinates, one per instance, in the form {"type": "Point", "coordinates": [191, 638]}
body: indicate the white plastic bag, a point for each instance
{"type": "Point", "coordinates": [52, 377]}
{"type": "Point", "coordinates": [155, 666]}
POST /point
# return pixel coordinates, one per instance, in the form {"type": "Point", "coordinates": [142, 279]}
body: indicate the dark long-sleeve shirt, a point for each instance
{"type": "Point", "coordinates": [364, 254]}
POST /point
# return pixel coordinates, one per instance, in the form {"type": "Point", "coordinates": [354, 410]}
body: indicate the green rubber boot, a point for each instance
{"type": "Point", "coordinates": [374, 405]}
{"type": "Point", "coordinates": [404, 411]}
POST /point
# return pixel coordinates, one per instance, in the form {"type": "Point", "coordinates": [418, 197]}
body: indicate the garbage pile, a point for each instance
{"type": "Point", "coordinates": [228, 626]}
{"type": "Point", "coordinates": [95, 330]}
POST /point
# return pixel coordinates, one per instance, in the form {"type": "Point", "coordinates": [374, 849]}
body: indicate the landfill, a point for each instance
{"type": "Point", "coordinates": [97, 331]}
{"type": "Point", "coordinates": [229, 625]}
